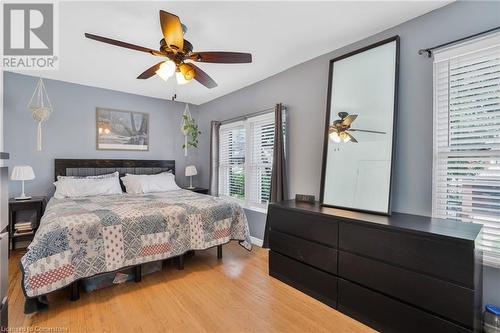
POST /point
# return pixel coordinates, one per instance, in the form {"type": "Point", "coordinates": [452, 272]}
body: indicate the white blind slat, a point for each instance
{"type": "Point", "coordinates": [466, 168]}
{"type": "Point", "coordinates": [232, 161]}
{"type": "Point", "coordinates": [261, 158]}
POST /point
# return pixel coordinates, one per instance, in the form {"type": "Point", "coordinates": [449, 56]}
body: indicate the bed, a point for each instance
{"type": "Point", "coordinates": [86, 236]}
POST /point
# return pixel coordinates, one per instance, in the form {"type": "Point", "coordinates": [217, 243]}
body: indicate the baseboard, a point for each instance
{"type": "Point", "coordinates": [256, 241]}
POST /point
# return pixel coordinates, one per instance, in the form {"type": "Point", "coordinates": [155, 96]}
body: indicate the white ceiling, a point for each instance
{"type": "Point", "coordinates": [278, 34]}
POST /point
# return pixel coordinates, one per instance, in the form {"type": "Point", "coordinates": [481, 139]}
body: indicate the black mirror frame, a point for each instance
{"type": "Point", "coordinates": [394, 125]}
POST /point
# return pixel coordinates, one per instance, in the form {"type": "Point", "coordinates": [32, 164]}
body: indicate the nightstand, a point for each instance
{"type": "Point", "coordinates": [24, 218]}
{"type": "Point", "coordinates": [197, 190]}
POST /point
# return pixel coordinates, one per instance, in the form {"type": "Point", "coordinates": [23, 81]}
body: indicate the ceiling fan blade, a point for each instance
{"type": "Point", "coordinates": [203, 77]}
{"type": "Point", "coordinates": [352, 138]}
{"type": "Point", "coordinates": [172, 30]}
{"type": "Point", "coordinates": [360, 130]}
{"type": "Point", "coordinates": [188, 47]}
{"type": "Point", "coordinates": [150, 71]}
{"type": "Point", "coordinates": [123, 44]}
{"type": "Point", "coordinates": [349, 119]}
{"type": "Point", "coordinates": [222, 57]}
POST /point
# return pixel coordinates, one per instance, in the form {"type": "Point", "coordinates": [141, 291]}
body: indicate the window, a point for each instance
{"type": "Point", "coordinates": [246, 159]}
{"type": "Point", "coordinates": [232, 160]}
{"type": "Point", "coordinates": [466, 164]}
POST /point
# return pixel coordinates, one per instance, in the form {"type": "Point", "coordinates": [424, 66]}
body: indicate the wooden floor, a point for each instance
{"type": "Point", "coordinates": [235, 294]}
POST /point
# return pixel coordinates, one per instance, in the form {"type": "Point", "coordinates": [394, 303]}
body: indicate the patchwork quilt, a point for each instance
{"type": "Point", "coordinates": [82, 237]}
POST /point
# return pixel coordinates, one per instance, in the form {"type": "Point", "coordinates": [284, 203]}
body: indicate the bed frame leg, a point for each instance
{"type": "Point", "coordinates": [219, 252]}
{"type": "Point", "coordinates": [74, 291]}
{"type": "Point", "coordinates": [180, 262]}
{"type": "Point", "coordinates": [138, 273]}
{"type": "Point", "coordinates": [164, 264]}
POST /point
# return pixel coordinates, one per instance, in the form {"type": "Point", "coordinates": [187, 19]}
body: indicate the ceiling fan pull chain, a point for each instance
{"type": "Point", "coordinates": [174, 91]}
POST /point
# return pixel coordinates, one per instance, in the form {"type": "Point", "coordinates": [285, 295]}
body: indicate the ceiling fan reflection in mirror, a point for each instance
{"type": "Point", "coordinates": [339, 130]}
{"type": "Point", "coordinates": [179, 54]}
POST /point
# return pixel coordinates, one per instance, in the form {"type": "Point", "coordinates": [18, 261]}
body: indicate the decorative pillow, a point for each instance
{"type": "Point", "coordinates": [162, 182]}
{"type": "Point", "coordinates": [74, 187]}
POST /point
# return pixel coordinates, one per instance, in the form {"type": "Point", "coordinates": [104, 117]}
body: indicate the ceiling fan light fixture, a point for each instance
{"type": "Point", "coordinates": [166, 70]}
{"type": "Point", "coordinates": [334, 136]}
{"type": "Point", "coordinates": [345, 137]}
{"type": "Point", "coordinates": [188, 71]}
{"type": "Point", "coordinates": [180, 78]}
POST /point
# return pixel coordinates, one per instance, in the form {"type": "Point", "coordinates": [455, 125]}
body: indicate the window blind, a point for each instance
{"type": "Point", "coordinates": [261, 147]}
{"type": "Point", "coordinates": [246, 159]}
{"type": "Point", "coordinates": [232, 160]}
{"type": "Point", "coordinates": [466, 164]}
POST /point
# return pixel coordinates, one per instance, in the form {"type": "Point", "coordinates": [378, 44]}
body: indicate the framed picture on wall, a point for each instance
{"type": "Point", "coordinates": [360, 129]}
{"type": "Point", "coordinates": [122, 130]}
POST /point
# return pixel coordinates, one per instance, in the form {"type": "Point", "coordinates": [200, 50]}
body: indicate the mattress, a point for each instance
{"type": "Point", "coordinates": [82, 237]}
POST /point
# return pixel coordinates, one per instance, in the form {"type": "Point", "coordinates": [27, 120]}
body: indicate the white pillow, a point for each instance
{"type": "Point", "coordinates": [74, 187]}
{"type": "Point", "coordinates": [162, 182]}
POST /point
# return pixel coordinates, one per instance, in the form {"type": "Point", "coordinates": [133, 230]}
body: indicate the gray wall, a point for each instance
{"type": "Point", "coordinates": [70, 131]}
{"type": "Point", "coordinates": [303, 89]}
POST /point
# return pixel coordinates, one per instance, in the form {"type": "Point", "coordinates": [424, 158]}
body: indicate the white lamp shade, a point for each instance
{"type": "Point", "coordinates": [166, 70]}
{"type": "Point", "coordinates": [191, 171]}
{"type": "Point", "coordinates": [22, 172]}
{"type": "Point", "coordinates": [180, 78]}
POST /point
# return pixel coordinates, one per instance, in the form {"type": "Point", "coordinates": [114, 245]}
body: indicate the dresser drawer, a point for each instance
{"type": "Point", "coordinates": [313, 227]}
{"type": "Point", "coordinates": [388, 315]}
{"type": "Point", "coordinates": [444, 259]}
{"type": "Point", "coordinates": [309, 280]}
{"type": "Point", "coordinates": [314, 254]}
{"type": "Point", "coordinates": [443, 298]}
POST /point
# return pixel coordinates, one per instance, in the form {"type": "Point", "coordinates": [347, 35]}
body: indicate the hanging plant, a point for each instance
{"type": "Point", "coordinates": [190, 130]}
{"type": "Point", "coordinates": [41, 108]}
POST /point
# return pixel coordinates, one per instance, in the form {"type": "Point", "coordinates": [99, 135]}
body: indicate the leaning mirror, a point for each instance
{"type": "Point", "coordinates": [359, 133]}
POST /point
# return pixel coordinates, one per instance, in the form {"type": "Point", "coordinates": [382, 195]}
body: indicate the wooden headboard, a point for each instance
{"type": "Point", "coordinates": [94, 167]}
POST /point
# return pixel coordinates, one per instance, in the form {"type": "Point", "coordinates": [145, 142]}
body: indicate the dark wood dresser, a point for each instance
{"type": "Point", "coordinates": [399, 273]}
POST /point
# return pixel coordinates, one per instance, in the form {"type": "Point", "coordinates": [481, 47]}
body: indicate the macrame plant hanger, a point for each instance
{"type": "Point", "coordinates": [41, 108]}
{"type": "Point", "coordinates": [186, 117]}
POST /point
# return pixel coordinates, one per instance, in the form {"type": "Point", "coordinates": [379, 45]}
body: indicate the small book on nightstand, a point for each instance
{"type": "Point", "coordinates": [24, 222]}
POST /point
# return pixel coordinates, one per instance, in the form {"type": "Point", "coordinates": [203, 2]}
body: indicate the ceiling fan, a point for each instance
{"type": "Point", "coordinates": [179, 54]}
{"type": "Point", "coordinates": [339, 130]}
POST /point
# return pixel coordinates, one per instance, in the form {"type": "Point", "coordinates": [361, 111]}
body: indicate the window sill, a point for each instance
{"type": "Point", "coordinates": [256, 209]}
{"type": "Point", "coordinates": [243, 204]}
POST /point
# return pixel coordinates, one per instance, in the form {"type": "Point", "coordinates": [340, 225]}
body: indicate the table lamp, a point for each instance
{"type": "Point", "coordinates": [190, 172]}
{"type": "Point", "coordinates": [22, 172]}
